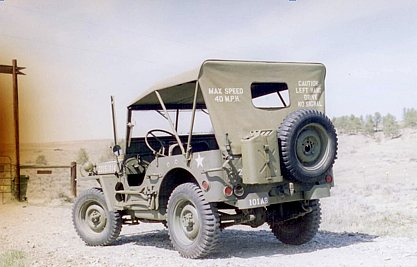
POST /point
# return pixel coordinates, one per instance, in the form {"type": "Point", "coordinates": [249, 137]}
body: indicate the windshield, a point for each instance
{"type": "Point", "coordinates": [146, 120]}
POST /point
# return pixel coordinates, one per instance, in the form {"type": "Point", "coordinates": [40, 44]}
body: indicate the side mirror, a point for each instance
{"type": "Point", "coordinates": [117, 150]}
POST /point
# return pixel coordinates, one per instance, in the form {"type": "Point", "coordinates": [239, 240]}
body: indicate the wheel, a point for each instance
{"type": "Point", "coordinates": [93, 222]}
{"type": "Point", "coordinates": [296, 231]}
{"type": "Point", "coordinates": [308, 145]}
{"type": "Point", "coordinates": [193, 223]}
{"type": "Point", "coordinates": [161, 151]}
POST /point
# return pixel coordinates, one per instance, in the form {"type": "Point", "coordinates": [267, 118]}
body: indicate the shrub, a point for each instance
{"type": "Point", "coordinates": [41, 160]}
{"type": "Point", "coordinates": [82, 156]}
{"type": "Point", "coordinates": [391, 127]}
{"type": "Point", "coordinates": [410, 118]}
{"type": "Point", "coordinates": [369, 126]}
{"type": "Point", "coordinates": [377, 120]}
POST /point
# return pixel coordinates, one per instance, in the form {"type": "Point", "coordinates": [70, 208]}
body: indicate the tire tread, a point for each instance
{"type": "Point", "coordinates": [287, 133]}
{"type": "Point", "coordinates": [114, 217]}
{"type": "Point", "coordinates": [211, 225]}
{"type": "Point", "coordinates": [298, 231]}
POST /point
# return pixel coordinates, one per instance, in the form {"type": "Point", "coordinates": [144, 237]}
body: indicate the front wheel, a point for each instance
{"type": "Point", "coordinates": [93, 222]}
{"type": "Point", "coordinates": [193, 223]}
{"type": "Point", "coordinates": [299, 230]}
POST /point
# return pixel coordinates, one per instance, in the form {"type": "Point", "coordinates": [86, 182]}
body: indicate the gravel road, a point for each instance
{"type": "Point", "coordinates": [46, 235]}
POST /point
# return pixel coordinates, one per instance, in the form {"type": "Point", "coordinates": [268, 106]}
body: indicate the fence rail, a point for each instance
{"type": "Point", "coordinates": [39, 180]}
{"type": "Point", "coordinates": [43, 169]}
{"type": "Point", "coordinates": [45, 166]}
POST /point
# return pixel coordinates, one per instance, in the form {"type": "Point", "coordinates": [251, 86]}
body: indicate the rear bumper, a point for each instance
{"type": "Point", "coordinates": [264, 198]}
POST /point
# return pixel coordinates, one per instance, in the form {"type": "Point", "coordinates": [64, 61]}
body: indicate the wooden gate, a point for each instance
{"type": "Point", "coordinates": [6, 178]}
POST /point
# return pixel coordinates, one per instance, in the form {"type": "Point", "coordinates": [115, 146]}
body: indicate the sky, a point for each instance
{"type": "Point", "coordinates": [78, 53]}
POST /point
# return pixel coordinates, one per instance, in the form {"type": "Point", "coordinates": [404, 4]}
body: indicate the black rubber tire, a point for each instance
{"type": "Point", "coordinates": [308, 145]}
{"type": "Point", "coordinates": [300, 230]}
{"type": "Point", "coordinates": [93, 222]}
{"type": "Point", "coordinates": [193, 223]}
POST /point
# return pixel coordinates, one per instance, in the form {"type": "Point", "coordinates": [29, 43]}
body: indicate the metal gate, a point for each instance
{"type": "Point", "coordinates": [6, 178]}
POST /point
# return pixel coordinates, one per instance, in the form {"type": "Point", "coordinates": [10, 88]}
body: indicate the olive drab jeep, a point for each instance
{"type": "Point", "coordinates": [230, 142]}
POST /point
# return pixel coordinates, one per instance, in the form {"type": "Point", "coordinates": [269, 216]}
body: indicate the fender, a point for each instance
{"type": "Point", "coordinates": [108, 185]}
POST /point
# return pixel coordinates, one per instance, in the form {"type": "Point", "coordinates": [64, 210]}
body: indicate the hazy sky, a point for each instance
{"type": "Point", "coordinates": [78, 53]}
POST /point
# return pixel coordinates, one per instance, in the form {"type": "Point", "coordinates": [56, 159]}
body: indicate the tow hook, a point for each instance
{"type": "Point", "coordinates": [306, 208]}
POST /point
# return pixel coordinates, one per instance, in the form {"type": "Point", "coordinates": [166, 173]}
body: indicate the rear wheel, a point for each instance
{"type": "Point", "coordinates": [93, 222]}
{"type": "Point", "coordinates": [193, 223]}
{"type": "Point", "coordinates": [299, 230]}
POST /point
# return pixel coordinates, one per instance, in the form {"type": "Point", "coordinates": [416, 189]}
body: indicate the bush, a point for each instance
{"type": "Point", "coordinates": [82, 156]}
{"type": "Point", "coordinates": [391, 127]}
{"type": "Point", "coordinates": [355, 125]}
{"type": "Point", "coordinates": [41, 160]}
{"type": "Point", "coordinates": [65, 197]}
{"type": "Point", "coordinates": [348, 124]}
{"type": "Point", "coordinates": [410, 118]}
{"type": "Point", "coordinates": [369, 126]}
{"type": "Point", "coordinates": [377, 120]}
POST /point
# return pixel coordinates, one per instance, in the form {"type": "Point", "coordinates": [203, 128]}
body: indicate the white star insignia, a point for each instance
{"type": "Point", "coordinates": [199, 160]}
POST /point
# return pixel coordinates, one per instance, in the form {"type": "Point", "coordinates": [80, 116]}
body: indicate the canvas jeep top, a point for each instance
{"type": "Point", "coordinates": [267, 157]}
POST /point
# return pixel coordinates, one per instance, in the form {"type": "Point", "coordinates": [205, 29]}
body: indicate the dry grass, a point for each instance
{"type": "Point", "coordinates": [376, 187]}
{"type": "Point", "coordinates": [12, 259]}
{"type": "Point", "coordinates": [378, 209]}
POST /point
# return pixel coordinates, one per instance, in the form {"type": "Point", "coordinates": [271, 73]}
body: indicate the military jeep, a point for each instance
{"type": "Point", "coordinates": [256, 148]}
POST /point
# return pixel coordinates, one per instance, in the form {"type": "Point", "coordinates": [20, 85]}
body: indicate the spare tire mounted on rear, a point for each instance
{"type": "Point", "coordinates": [308, 145]}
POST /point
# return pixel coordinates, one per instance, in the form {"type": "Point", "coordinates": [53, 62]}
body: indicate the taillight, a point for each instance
{"type": "Point", "coordinates": [329, 179]}
{"type": "Point", "coordinates": [205, 185]}
{"type": "Point", "coordinates": [228, 191]}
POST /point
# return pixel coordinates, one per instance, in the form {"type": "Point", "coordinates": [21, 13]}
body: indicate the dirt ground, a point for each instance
{"type": "Point", "coordinates": [46, 236]}
{"type": "Point", "coordinates": [370, 220]}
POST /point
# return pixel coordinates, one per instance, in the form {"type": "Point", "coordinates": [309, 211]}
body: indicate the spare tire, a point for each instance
{"type": "Point", "coordinates": [308, 145]}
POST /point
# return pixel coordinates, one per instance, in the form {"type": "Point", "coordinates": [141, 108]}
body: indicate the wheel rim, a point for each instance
{"type": "Point", "coordinates": [312, 146]}
{"type": "Point", "coordinates": [186, 222]}
{"type": "Point", "coordinates": [93, 217]}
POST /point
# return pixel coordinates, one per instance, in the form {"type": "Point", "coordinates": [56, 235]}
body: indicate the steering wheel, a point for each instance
{"type": "Point", "coordinates": [161, 151]}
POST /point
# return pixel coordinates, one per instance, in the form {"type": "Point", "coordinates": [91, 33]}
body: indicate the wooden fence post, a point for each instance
{"type": "Point", "coordinates": [73, 182]}
{"type": "Point", "coordinates": [15, 70]}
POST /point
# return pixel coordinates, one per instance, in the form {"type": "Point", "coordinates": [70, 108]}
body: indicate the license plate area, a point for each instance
{"type": "Point", "coordinates": [254, 200]}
